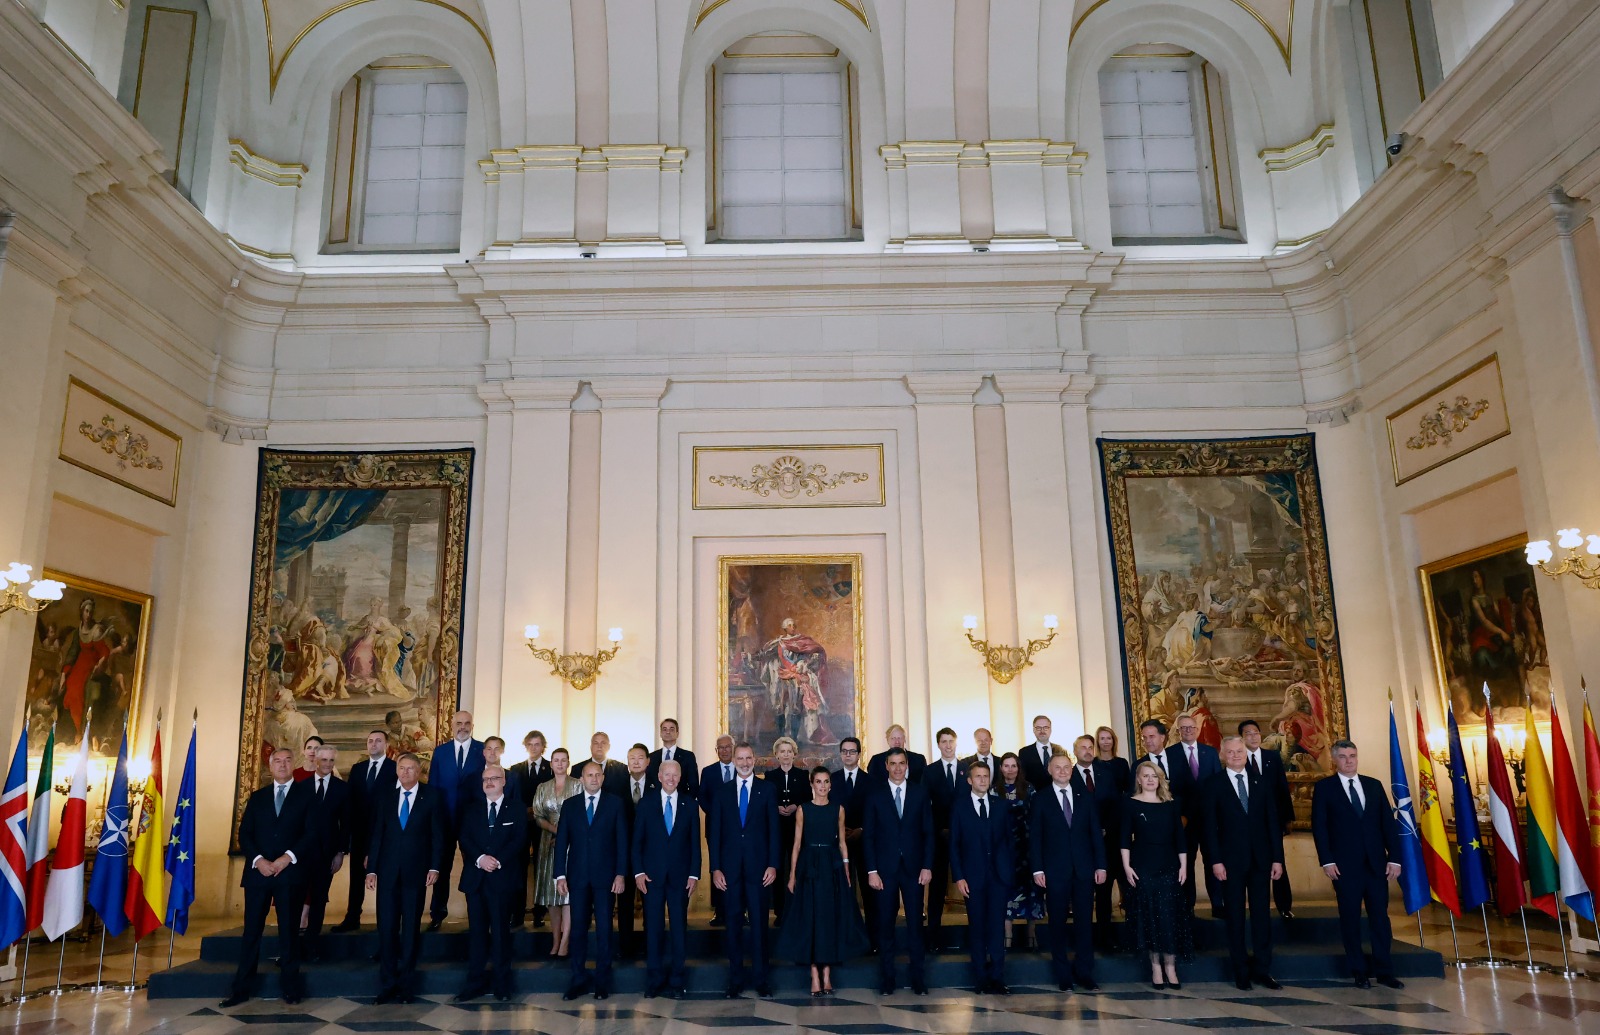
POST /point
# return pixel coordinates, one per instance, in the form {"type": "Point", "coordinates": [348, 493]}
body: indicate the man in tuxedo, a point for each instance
{"type": "Point", "coordinates": [981, 860]}
{"type": "Point", "coordinates": [899, 847]}
{"type": "Point", "coordinates": [712, 777]}
{"type": "Point", "coordinates": [669, 751]}
{"type": "Point", "coordinates": [494, 837]}
{"type": "Point", "coordinates": [591, 856]}
{"type": "Point", "coordinates": [1268, 765]}
{"type": "Point", "coordinates": [405, 856]}
{"type": "Point", "coordinates": [1068, 858]}
{"type": "Point", "coordinates": [370, 781]}
{"type": "Point", "coordinates": [1357, 841]}
{"type": "Point", "coordinates": [1189, 764]}
{"type": "Point", "coordinates": [277, 836]}
{"type": "Point", "coordinates": [454, 770]}
{"type": "Point", "coordinates": [530, 773]}
{"type": "Point", "coordinates": [1096, 779]}
{"type": "Point", "coordinates": [614, 778]}
{"type": "Point", "coordinates": [638, 785]}
{"type": "Point", "coordinates": [1034, 759]}
{"type": "Point", "coordinates": [946, 782]}
{"type": "Point", "coordinates": [984, 742]}
{"type": "Point", "coordinates": [849, 791]}
{"type": "Point", "coordinates": [742, 835]}
{"type": "Point", "coordinates": [330, 816]}
{"type": "Point", "coordinates": [916, 762]}
{"type": "Point", "coordinates": [666, 864]}
{"type": "Point", "coordinates": [1244, 845]}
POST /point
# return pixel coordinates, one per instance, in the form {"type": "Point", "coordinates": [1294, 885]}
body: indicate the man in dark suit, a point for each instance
{"type": "Point", "coordinates": [494, 837]}
{"type": "Point", "coordinates": [1096, 779]}
{"type": "Point", "coordinates": [1268, 765]}
{"type": "Point", "coordinates": [712, 777]}
{"type": "Point", "coordinates": [454, 770]}
{"type": "Point", "coordinates": [330, 817]}
{"type": "Point", "coordinates": [1189, 764]}
{"type": "Point", "coordinates": [629, 942]}
{"type": "Point", "coordinates": [494, 749]}
{"type": "Point", "coordinates": [371, 779]}
{"type": "Point", "coordinates": [899, 847]}
{"type": "Point", "coordinates": [946, 782]}
{"type": "Point", "coordinates": [404, 859]}
{"type": "Point", "coordinates": [614, 778]}
{"type": "Point", "coordinates": [742, 835]}
{"type": "Point", "coordinates": [983, 741]}
{"type": "Point", "coordinates": [530, 773]}
{"type": "Point", "coordinates": [849, 790]}
{"type": "Point", "coordinates": [1244, 845]}
{"type": "Point", "coordinates": [1357, 841]}
{"type": "Point", "coordinates": [915, 762]}
{"type": "Point", "coordinates": [1034, 759]}
{"type": "Point", "coordinates": [591, 856]}
{"type": "Point", "coordinates": [276, 835]}
{"type": "Point", "coordinates": [670, 751]}
{"type": "Point", "coordinates": [666, 865]}
{"type": "Point", "coordinates": [981, 860]}
{"type": "Point", "coordinates": [1068, 858]}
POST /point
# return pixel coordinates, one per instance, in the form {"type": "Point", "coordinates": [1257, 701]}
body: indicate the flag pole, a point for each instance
{"type": "Point", "coordinates": [27, 950]}
{"type": "Point", "coordinates": [133, 975]}
{"type": "Point", "coordinates": [172, 936]}
{"type": "Point", "coordinates": [1488, 943]}
{"type": "Point", "coordinates": [61, 965]}
{"type": "Point", "coordinates": [100, 969]}
{"type": "Point", "coordinates": [1533, 968]}
{"type": "Point", "coordinates": [1561, 932]}
{"type": "Point", "coordinates": [1455, 943]}
{"type": "Point", "coordinates": [1421, 941]}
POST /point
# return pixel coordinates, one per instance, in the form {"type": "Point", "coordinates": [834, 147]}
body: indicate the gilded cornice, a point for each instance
{"type": "Point", "coordinates": [1284, 40]}
{"type": "Point", "coordinates": [1279, 159]}
{"type": "Point", "coordinates": [276, 60]}
{"type": "Point", "coordinates": [279, 174]}
{"type": "Point", "coordinates": [853, 6]}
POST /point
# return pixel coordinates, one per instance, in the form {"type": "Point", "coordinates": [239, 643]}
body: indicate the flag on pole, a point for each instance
{"type": "Point", "coordinates": [1574, 858]}
{"type": "Point", "coordinates": [63, 897]}
{"type": "Point", "coordinates": [1472, 876]}
{"type": "Point", "coordinates": [39, 834]}
{"type": "Point", "coordinates": [147, 893]}
{"type": "Point", "coordinates": [1544, 877]}
{"type": "Point", "coordinates": [1591, 770]}
{"type": "Point", "coordinates": [1508, 872]}
{"type": "Point", "coordinates": [1435, 845]}
{"type": "Point", "coordinates": [14, 847]}
{"type": "Point", "coordinates": [109, 883]}
{"type": "Point", "coordinates": [180, 845]}
{"type": "Point", "coordinates": [1413, 875]}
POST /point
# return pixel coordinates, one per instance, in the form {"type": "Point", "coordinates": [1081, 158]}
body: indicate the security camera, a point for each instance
{"type": "Point", "coordinates": [1396, 143]}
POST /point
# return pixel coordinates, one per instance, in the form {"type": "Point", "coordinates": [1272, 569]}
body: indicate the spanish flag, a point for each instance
{"type": "Point", "coordinates": [1436, 855]}
{"type": "Point", "coordinates": [146, 903]}
{"type": "Point", "coordinates": [1544, 877]}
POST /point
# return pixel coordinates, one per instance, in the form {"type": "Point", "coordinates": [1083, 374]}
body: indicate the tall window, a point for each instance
{"type": "Point", "coordinates": [163, 74]}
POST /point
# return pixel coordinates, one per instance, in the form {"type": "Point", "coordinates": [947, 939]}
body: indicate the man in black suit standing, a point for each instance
{"type": "Point", "coordinates": [404, 859]}
{"type": "Point", "coordinates": [371, 779]}
{"type": "Point", "coordinates": [1244, 845]}
{"type": "Point", "coordinates": [1189, 764]}
{"type": "Point", "coordinates": [1068, 857]}
{"type": "Point", "coordinates": [946, 782]}
{"type": "Point", "coordinates": [666, 865]}
{"type": "Point", "coordinates": [1357, 841]}
{"type": "Point", "coordinates": [614, 773]}
{"type": "Point", "coordinates": [983, 741]}
{"type": "Point", "coordinates": [494, 837]}
{"type": "Point", "coordinates": [1096, 779]}
{"type": "Point", "coordinates": [494, 749]}
{"type": "Point", "coordinates": [591, 856]}
{"type": "Point", "coordinates": [712, 777]}
{"type": "Point", "coordinates": [849, 790]}
{"type": "Point", "coordinates": [670, 751]}
{"type": "Point", "coordinates": [915, 761]}
{"type": "Point", "coordinates": [981, 860]}
{"type": "Point", "coordinates": [277, 836]}
{"type": "Point", "coordinates": [453, 768]}
{"type": "Point", "coordinates": [633, 792]}
{"type": "Point", "coordinates": [1268, 765]}
{"type": "Point", "coordinates": [743, 839]}
{"type": "Point", "coordinates": [1034, 759]}
{"type": "Point", "coordinates": [899, 847]}
{"type": "Point", "coordinates": [330, 817]}
{"type": "Point", "coordinates": [530, 773]}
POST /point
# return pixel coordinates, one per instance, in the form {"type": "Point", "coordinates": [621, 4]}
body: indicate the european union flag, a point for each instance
{"type": "Point", "coordinates": [1471, 875]}
{"type": "Point", "coordinates": [110, 881]}
{"type": "Point", "coordinates": [1413, 874]}
{"type": "Point", "coordinates": [180, 847]}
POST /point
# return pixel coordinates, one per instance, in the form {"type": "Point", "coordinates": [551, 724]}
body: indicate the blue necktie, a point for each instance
{"type": "Point", "coordinates": [405, 809]}
{"type": "Point", "coordinates": [744, 801]}
{"type": "Point", "coordinates": [591, 810]}
{"type": "Point", "coordinates": [669, 815]}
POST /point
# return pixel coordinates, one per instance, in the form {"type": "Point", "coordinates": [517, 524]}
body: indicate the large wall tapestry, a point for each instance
{"type": "Point", "coordinates": [355, 603]}
{"type": "Point", "coordinates": [790, 659]}
{"type": "Point", "coordinates": [1486, 627]}
{"type": "Point", "coordinates": [1224, 593]}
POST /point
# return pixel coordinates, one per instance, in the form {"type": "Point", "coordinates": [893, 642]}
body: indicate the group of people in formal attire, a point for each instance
{"type": "Point", "coordinates": [1032, 841]}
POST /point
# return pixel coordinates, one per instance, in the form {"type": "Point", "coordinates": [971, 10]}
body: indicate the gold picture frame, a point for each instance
{"type": "Point", "coordinates": [811, 589]}
{"type": "Point", "coordinates": [117, 449]}
{"type": "Point", "coordinates": [1416, 407]}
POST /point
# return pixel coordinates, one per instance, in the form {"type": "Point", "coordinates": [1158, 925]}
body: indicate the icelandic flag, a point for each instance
{"type": "Point", "coordinates": [109, 882]}
{"type": "Point", "coordinates": [14, 848]}
{"type": "Point", "coordinates": [180, 846]}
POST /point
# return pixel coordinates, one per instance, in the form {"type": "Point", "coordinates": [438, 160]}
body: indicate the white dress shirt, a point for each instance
{"type": "Point", "coordinates": [976, 798]}
{"type": "Point", "coordinates": [496, 803]}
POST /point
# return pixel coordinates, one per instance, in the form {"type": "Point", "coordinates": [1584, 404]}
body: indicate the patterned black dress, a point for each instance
{"type": "Point", "coordinates": [822, 925]}
{"type": "Point", "coordinates": [1153, 834]}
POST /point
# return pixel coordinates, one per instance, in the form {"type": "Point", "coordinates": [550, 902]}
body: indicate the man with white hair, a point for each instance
{"type": "Point", "coordinates": [1244, 845]}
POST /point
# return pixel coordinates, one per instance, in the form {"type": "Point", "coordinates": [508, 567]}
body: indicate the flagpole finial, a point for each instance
{"type": "Point", "coordinates": [197, 716]}
{"type": "Point", "coordinates": [1486, 691]}
{"type": "Point", "coordinates": [1391, 695]}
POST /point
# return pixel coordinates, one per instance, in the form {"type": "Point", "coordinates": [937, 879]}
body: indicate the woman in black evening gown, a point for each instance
{"type": "Point", "coordinates": [822, 926]}
{"type": "Point", "coordinates": [1155, 861]}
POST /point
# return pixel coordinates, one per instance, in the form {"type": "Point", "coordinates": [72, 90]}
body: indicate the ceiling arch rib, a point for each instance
{"type": "Point", "coordinates": [855, 7]}
{"type": "Point", "coordinates": [1275, 16]}
{"type": "Point", "coordinates": [292, 20]}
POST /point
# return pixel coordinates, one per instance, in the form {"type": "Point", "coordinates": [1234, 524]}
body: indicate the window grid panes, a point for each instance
{"type": "Point", "coordinates": [416, 149]}
{"type": "Point", "coordinates": [1154, 175]}
{"type": "Point", "coordinates": [781, 156]}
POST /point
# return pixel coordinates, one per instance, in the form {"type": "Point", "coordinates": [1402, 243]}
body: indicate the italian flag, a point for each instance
{"type": "Point", "coordinates": [63, 898]}
{"type": "Point", "coordinates": [39, 835]}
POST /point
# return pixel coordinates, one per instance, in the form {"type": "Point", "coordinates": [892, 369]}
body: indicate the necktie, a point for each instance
{"type": "Point", "coordinates": [461, 756]}
{"type": "Point", "coordinates": [372, 773]}
{"type": "Point", "coordinates": [899, 803]}
{"type": "Point", "coordinates": [1255, 765]}
{"type": "Point", "coordinates": [950, 772]}
{"type": "Point", "coordinates": [727, 772]}
{"type": "Point", "coordinates": [1161, 761]}
{"type": "Point", "coordinates": [494, 813]}
{"type": "Point", "coordinates": [669, 815]}
{"type": "Point", "coordinates": [1194, 762]}
{"type": "Point", "coordinates": [666, 756]}
{"type": "Point", "coordinates": [1044, 753]}
{"type": "Point", "coordinates": [405, 809]}
{"type": "Point", "coordinates": [277, 803]}
{"type": "Point", "coordinates": [591, 808]}
{"type": "Point", "coordinates": [744, 800]}
{"type": "Point", "coordinates": [638, 791]}
{"type": "Point", "coordinates": [322, 788]}
{"type": "Point", "coordinates": [1066, 806]}
{"type": "Point", "coordinates": [1088, 779]}
{"type": "Point", "coordinates": [1355, 799]}
{"type": "Point", "coordinates": [983, 810]}
{"type": "Point", "coordinates": [850, 781]}
{"type": "Point", "coordinates": [1244, 792]}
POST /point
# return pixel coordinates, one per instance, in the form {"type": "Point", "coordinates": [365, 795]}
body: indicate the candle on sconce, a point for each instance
{"type": "Point", "coordinates": [530, 632]}
{"type": "Point", "coordinates": [616, 634]}
{"type": "Point", "coordinates": [969, 622]}
{"type": "Point", "coordinates": [1051, 622]}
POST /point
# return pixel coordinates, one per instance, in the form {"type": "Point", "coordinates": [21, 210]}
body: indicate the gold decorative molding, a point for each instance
{"type": "Point", "coordinates": [788, 476]}
{"type": "Point", "coordinates": [260, 253]}
{"type": "Point", "coordinates": [126, 447]}
{"type": "Point", "coordinates": [1285, 43]}
{"type": "Point", "coordinates": [1453, 419]}
{"type": "Point", "coordinates": [1448, 419]}
{"type": "Point", "coordinates": [780, 476]}
{"type": "Point", "coordinates": [1291, 156]}
{"type": "Point", "coordinates": [279, 174]}
{"type": "Point", "coordinates": [988, 153]}
{"type": "Point", "coordinates": [276, 61]}
{"type": "Point", "coordinates": [707, 6]}
{"type": "Point", "coordinates": [104, 437]}
{"type": "Point", "coordinates": [533, 157]}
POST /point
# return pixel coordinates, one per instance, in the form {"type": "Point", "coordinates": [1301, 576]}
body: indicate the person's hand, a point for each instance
{"type": "Point", "coordinates": [768, 876]}
{"type": "Point", "coordinates": [718, 881]}
{"type": "Point", "coordinates": [1133, 878]}
{"type": "Point", "coordinates": [1038, 879]}
{"type": "Point", "coordinates": [641, 882]}
{"type": "Point", "coordinates": [790, 885]}
{"type": "Point", "coordinates": [488, 863]}
{"type": "Point", "coordinates": [433, 878]}
{"type": "Point", "coordinates": [1332, 870]}
{"type": "Point", "coordinates": [1390, 871]}
{"type": "Point", "coordinates": [964, 888]}
{"type": "Point", "coordinates": [1183, 870]}
{"type": "Point", "coordinates": [847, 881]}
{"type": "Point", "coordinates": [372, 882]}
{"type": "Point", "coordinates": [1219, 871]}
{"type": "Point", "coordinates": [1099, 876]}
{"type": "Point", "coordinates": [338, 861]}
{"type": "Point", "coordinates": [617, 885]}
{"type": "Point", "coordinates": [1277, 870]}
{"type": "Point", "coordinates": [692, 882]}
{"type": "Point", "coordinates": [924, 877]}
{"type": "Point", "coordinates": [561, 887]}
{"type": "Point", "coordinates": [265, 868]}
{"type": "Point", "coordinates": [283, 863]}
{"type": "Point", "coordinates": [874, 882]}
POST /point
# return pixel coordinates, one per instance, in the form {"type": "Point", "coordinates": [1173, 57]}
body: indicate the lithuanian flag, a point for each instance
{"type": "Point", "coordinates": [1544, 877]}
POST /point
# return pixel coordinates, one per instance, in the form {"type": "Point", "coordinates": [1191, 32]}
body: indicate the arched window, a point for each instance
{"type": "Point", "coordinates": [1169, 163]}
{"type": "Point", "coordinates": [163, 74]}
{"type": "Point", "coordinates": [784, 133]}
{"type": "Point", "coordinates": [398, 158]}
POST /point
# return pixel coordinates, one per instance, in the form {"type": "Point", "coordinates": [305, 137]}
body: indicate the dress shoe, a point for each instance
{"type": "Point", "coordinates": [1174, 985]}
{"type": "Point", "coordinates": [465, 996]}
{"type": "Point", "coordinates": [502, 997]}
{"type": "Point", "coordinates": [652, 991]}
{"type": "Point", "coordinates": [293, 998]}
{"type": "Point", "coordinates": [1243, 984]}
{"type": "Point", "coordinates": [764, 991]}
{"type": "Point", "coordinates": [233, 1000]}
{"type": "Point", "coordinates": [886, 988]}
{"type": "Point", "coordinates": [434, 925]}
{"type": "Point", "coordinates": [1269, 982]}
{"type": "Point", "coordinates": [919, 988]}
{"type": "Point", "coordinates": [674, 993]}
{"type": "Point", "coordinates": [1363, 982]}
{"type": "Point", "coordinates": [385, 997]}
{"type": "Point", "coordinates": [999, 988]}
{"type": "Point", "coordinates": [1159, 986]}
{"type": "Point", "coordinates": [573, 992]}
{"type": "Point", "coordinates": [733, 992]}
{"type": "Point", "coordinates": [1287, 914]}
{"type": "Point", "coordinates": [406, 998]}
{"type": "Point", "coordinates": [716, 920]}
{"type": "Point", "coordinates": [346, 925]}
{"type": "Point", "coordinates": [1087, 986]}
{"type": "Point", "coordinates": [1390, 981]}
{"type": "Point", "coordinates": [602, 994]}
{"type": "Point", "coordinates": [1063, 986]}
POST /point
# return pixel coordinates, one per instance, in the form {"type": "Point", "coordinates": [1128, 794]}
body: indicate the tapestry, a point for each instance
{"type": "Point", "coordinates": [356, 596]}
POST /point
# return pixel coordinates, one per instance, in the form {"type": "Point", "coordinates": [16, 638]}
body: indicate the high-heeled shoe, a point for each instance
{"type": "Point", "coordinates": [1175, 985]}
{"type": "Point", "coordinates": [1159, 986]}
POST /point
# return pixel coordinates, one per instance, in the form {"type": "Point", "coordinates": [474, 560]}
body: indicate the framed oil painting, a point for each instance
{"type": "Point", "coordinates": [356, 595]}
{"type": "Point", "coordinates": [790, 658]}
{"type": "Point", "coordinates": [1224, 595]}
{"type": "Point", "coordinates": [87, 666]}
{"type": "Point", "coordinates": [1486, 627]}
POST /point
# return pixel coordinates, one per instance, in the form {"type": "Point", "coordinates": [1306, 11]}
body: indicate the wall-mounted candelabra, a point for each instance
{"type": "Point", "coordinates": [1003, 662]}
{"type": "Point", "coordinates": [576, 669]}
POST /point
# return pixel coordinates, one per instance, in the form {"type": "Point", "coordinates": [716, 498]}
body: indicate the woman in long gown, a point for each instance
{"type": "Point", "coordinates": [1156, 863]}
{"type": "Point", "coordinates": [791, 784]}
{"type": "Point", "coordinates": [1026, 907]}
{"type": "Point", "coordinates": [547, 802]}
{"type": "Point", "coordinates": [822, 926]}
